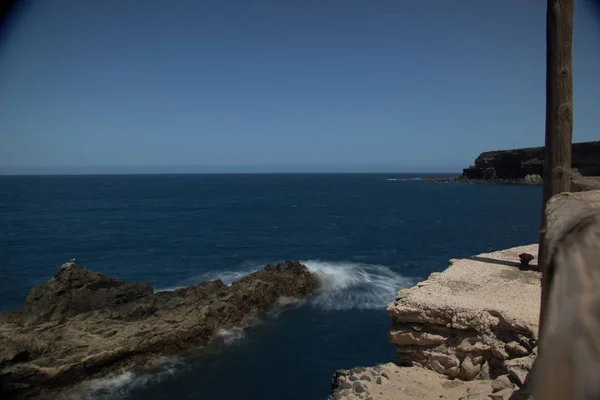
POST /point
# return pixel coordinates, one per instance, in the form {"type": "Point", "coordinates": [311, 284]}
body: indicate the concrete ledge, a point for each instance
{"type": "Point", "coordinates": [476, 320]}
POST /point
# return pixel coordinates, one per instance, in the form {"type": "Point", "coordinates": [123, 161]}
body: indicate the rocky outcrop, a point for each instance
{"type": "Point", "coordinates": [476, 320]}
{"type": "Point", "coordinates": [517, 164]}
{"type": "Point", "coordinates": [469, 332]}
{"type": "Point", "coordinates": [526, 166]}
{"type": "Point", "coordinates": [83, 324]}
{"type": "Point", "coordinates": [528, 180]}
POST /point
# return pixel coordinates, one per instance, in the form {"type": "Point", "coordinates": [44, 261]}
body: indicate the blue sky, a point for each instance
{"type": "Point", "coordinates": [311, 85]}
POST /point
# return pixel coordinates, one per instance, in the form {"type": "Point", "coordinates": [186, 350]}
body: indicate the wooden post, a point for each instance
{"type": "Point", "coordinates": [559, 120]}
{"type": "Point", "coordinates": [568, 364]}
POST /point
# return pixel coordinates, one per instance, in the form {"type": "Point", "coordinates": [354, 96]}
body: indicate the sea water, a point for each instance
{"type": "Point", "coordinates": [365, 235]}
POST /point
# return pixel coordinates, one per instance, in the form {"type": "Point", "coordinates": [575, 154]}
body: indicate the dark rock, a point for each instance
{"type": "Point", "coordinates": [385, 375]}
{"type": "Point", "coordinates": [489, 173]}
{"type": "Point", "coordinates": [353, 378]}
{"type": "Point", "coordinates": [359, 387]}
{"type": "Point", "coordinates": [518, 163]}
{"type": "Point", "coordinates": [75, 290]}
{"type": "Point", "coordinates": [526, 166]}
{"type": "Point", "coordinates": [82, 324]}
{"type": "Point", "coordinates": [379, 381]}
{"type": "Point", "coordinates": [337, 379]}
{"type": "Point", "coordinates": [519, 375]}
{"type": "Point", "coordinates": [365, 378]}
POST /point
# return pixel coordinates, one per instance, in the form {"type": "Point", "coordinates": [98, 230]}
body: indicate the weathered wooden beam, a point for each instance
{"type": "Point", "coordinates": [559, 117]}
{"type": "Point", "coordinates": [568, 364]}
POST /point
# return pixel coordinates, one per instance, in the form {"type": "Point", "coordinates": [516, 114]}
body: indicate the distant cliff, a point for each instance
{"type": "Point", "coordinates": [520, 163]}
{"type": "Point", "coordinates": [526, 166]}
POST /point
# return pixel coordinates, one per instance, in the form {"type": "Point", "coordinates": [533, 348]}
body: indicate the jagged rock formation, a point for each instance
{"type": "Point", "coordinates": [476, 320]}
{"type": "Point", "coordinates": [519, 163]}
{"type": "Point", "coordinates": [83, 324]}
{"type": "Point", "coordinates": [526, 166]}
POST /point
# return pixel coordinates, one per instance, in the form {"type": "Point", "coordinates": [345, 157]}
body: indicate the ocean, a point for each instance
{"type": "Point", "coordinates": [370, 234]}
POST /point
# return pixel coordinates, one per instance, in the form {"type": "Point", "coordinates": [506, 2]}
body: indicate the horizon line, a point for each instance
{"type": "Point", "coordinates": [431, 173]}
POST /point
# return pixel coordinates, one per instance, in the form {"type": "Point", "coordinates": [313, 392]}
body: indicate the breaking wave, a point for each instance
{"type": "Point", "coordinates": [226, 276]}
{"type": "Point", "coordinates": [348, 285]}
{"type": "Point", "coordinates": [230, 336]}
{"type": "Point", "coordinates": [345, 285]}
{"type": "Point", "coordinates": [120, 386]}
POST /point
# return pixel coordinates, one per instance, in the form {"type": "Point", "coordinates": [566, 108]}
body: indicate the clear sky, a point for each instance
{"type": "Point", "coordinates": [281, 85]}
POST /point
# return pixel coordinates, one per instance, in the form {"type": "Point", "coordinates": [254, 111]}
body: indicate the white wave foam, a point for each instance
{"type": "Point", "coordinates": [167, 289]}
{"type": "Point", "coordinates": [120, 386]}
{"type": "Point", "coordinates": [285, 303]}
{"type": "Point", "coordinates": [116, 387]}
{"type": "Point", "coordinates": [226, 276]}
{"type": "Point", "coordinates": [345, 285]}
{"type": "Point", "coordinates": [231, 335]}
{"type": "Point", "coordinates": [403, 179]}
{"type": "Point", "coordinates": [348, 285]}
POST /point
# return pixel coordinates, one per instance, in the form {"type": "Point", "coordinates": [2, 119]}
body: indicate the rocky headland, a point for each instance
{"type": "Point", "coordinates": [526, 166]}
{"type": "Point", "coordinates": [468, 332]}
{"type": "Point", "coordinates": [82, 324]}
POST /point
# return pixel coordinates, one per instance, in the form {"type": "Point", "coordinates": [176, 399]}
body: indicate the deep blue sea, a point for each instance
{"type": "Point", "coordinates": [370, 234]}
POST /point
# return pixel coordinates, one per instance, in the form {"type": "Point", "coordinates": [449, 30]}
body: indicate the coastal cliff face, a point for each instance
{"type": "Point", "coordinates": [81, 324]}
{"type": "Point", "coordinates": [519, 163]}
{"type": "Point", "coordinates": [472, 321]}
{"type": "Point", "coordinates": [469, 332]}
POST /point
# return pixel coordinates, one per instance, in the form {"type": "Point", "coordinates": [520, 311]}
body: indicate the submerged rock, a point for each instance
{"type": "Point", "coordinates": [82, 324]}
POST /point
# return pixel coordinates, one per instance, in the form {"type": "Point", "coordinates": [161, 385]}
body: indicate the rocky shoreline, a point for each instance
{"type": "Point", "coordinates": [468, 332]}
{"type": "Point", "coordinates": [81, 324]}
{"type": "Point", "coordinates": [526, 167]}
{"type": "Point", "coordinates": [529, 180]}
{"type": "Point", "coordinates": [579, 183]}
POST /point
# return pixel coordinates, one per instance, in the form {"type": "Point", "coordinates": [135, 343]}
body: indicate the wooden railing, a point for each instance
{"type": "Point", "coordinates": [568, 365]}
